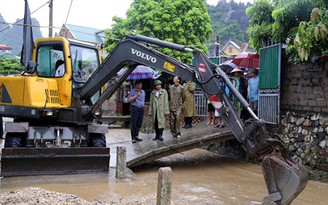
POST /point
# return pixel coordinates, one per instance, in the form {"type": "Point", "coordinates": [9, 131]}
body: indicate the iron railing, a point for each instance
{"type": "Point", "coordinates": [201, 104]}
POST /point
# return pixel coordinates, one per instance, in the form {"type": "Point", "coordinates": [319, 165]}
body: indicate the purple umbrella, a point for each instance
{"type": "Point", "coordinates": [140, 72]}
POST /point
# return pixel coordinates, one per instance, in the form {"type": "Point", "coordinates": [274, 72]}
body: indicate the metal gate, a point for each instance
{"type": "Point", "coordinates": [269, 86]}
{"type": "Point", "coordinates": [201, 104]}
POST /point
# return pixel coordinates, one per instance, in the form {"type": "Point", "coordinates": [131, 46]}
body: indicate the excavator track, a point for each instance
{"type": "Point", "coordinates": [52, 161]}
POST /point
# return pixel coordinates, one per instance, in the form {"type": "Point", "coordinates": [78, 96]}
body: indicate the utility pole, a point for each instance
{"type": "Point", "coordinates": [217, 49]}
{"type": "Point", "coordinates": [50, 17]}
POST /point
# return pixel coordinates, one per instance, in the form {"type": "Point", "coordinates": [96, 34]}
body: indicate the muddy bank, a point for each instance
{"type": "Point", "coordinates": [37, 196]}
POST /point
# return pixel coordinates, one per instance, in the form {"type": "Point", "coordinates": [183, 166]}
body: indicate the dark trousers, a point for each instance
{"type": "Point", "coordinates": [188, 121]}
{"type": "Point", "coordinates": [136, 120]}
{"type": "Point", "coordinates": [158, 131]}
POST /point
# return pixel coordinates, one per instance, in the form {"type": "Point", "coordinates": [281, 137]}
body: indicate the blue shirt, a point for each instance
{"type": "Point", "coordinates": [253, 89]}
{"type": "Point", "coordinates": [139, 101]}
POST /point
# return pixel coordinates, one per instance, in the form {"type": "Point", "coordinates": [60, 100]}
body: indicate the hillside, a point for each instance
{"type": "Point", "coordinates": [229, 22]}
{"type": "Point", "coordinates": [13, 36]}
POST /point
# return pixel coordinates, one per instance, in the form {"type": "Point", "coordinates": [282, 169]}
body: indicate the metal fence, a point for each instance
{"type": "Point", "coordinates": [269, 85]}
{"type": "Point", "coordinates": [201, 104]}
{"type": "Point", "coordinates": [269, 107]}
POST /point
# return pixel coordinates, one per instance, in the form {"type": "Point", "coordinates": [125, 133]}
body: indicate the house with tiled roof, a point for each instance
{"type": "Point", "coordinates": [85, 34]}
{"type": "Point", "coordinates": [231, 49]}
{"type": "Point", "coordinates": [82, 33]}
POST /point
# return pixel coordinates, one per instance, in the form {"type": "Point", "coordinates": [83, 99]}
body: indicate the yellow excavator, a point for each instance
{"type": "Point", "coordinates": [57, 97]}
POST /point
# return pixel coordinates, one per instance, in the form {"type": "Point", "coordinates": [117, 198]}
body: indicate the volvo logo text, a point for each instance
{"type": "Point", "coordinates": [143, 55]}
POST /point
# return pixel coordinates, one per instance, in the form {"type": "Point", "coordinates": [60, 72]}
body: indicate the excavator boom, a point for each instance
{"type": "Point", "coordinates": [285, 178]}
{"type": "Point", "coordinates": [69, 126]}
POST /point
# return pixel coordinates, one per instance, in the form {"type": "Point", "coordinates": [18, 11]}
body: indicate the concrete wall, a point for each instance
{"type": "Point", "coordinates": [304, 113]}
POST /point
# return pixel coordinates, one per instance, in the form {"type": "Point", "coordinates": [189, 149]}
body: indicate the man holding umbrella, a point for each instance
{"type": "Point", "coordinates": [137, 100]}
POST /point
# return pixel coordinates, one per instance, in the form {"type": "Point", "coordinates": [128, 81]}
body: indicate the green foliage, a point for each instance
{"type": "Point", "coordinates": [301, 24]}
{"type": "Point", "coordinates": [311, 37]}
{"type": "Point", "coordinates": [260, 23]}
{"type": "Point", "coordinates": [180, 21]}
{"type": "Point", "coordinates": [10, 66]}
{"type": "Point", "coordinates": [287, 16]}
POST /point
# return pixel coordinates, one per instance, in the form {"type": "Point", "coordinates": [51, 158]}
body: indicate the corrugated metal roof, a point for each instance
{"type": "Point", "coordinates": [86, 34]}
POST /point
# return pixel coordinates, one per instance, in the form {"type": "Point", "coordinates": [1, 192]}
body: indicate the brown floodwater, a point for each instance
{"type": "Point", "coordinates": [199, 177]}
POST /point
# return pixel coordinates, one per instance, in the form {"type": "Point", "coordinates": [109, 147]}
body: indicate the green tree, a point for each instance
{"type": "Point", "coordinates": [287, 16]}
{"type": "Point", "coordinates": [301, 24]}
{"type": "Point", "coordinates": [260, 23]}
{"type": "Point", "coordinates": [10, 66]}
{"type": "Point", "coordinates": [311, 37]}
{"type": "Point", "coordinates": [180, 21]}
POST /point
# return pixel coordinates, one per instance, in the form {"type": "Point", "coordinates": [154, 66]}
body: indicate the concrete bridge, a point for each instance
{"type": "Point", "coordinates": [149, 150]}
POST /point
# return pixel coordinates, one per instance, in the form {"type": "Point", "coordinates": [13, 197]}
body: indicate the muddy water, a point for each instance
{"type": "Point", "coordinates": [199, 177]}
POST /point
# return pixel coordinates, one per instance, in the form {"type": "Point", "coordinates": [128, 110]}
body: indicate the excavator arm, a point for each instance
{"type": "Point", "coordinates": [285, 179]}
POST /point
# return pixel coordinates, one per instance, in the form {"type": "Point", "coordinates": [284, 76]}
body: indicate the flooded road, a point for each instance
{"type": "Point", "coordinates": [199, 177]}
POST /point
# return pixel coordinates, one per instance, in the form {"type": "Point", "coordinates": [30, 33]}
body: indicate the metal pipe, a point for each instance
{"type": "Point", "coordinates": [252, 113]}
{"type": "Point", "coordinates": [158, 42]}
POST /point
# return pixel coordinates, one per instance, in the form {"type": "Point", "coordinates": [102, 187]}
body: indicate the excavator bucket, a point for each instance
{"type": "Point", "coordinates": [284, 178]}
{"type": "Point", "coordinates": [45, 161]}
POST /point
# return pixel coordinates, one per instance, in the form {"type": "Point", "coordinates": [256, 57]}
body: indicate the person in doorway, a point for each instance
{"type": "Point", "coordinates": [177, 98]}
{"type": "Point", "coordinates": [137, 99]}
{"type": "Point", "coordinates": [253, 89]}
{"type": "Point", "coordinates": [158, 109]}
{"type": "Point", "coordinates": [189, 108]}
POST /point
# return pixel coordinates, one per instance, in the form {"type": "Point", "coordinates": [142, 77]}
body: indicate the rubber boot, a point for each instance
{"type": "Point", "coordinates": [161, 134]}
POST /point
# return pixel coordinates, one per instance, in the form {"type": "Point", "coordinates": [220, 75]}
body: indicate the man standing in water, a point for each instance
{"type": "Point", "coordinates": [137, 100]}
{"type": "Point", "coordinates": [177, 98]}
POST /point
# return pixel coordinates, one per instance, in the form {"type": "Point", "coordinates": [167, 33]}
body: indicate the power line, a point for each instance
{"type": "Point", "coordinates": [23, 18]}
{"type": "Point", "coordinates": [69, 10]}
{"type": "Point", "coordinates": [91, 34]}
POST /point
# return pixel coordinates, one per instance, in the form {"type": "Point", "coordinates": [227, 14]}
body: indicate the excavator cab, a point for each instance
{"type": "Point", "coordinates": [69, 62]}
{"type": "Point", "coordinates": [47, 125]}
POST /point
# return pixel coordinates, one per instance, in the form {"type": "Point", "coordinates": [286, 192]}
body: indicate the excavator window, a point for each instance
{"type": "Point", "coordinates": [84, 63]}
{"type": "Point", "coordinates": [48, 56]}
